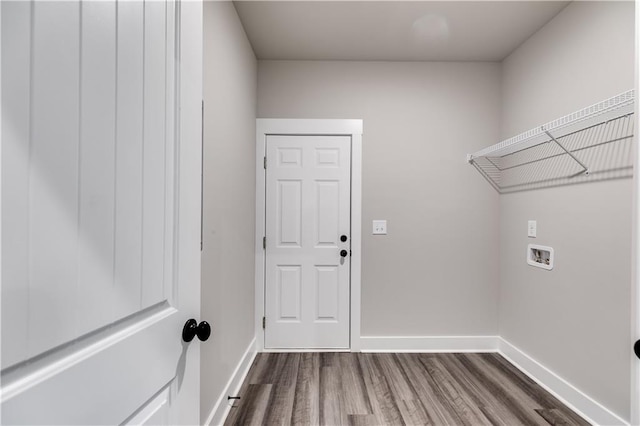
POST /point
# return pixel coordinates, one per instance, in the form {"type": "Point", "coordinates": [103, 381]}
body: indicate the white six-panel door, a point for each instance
{"type": "Point", "coordinates": [96, 282]}
{"type": "Point", "coordinates": [307, 212]}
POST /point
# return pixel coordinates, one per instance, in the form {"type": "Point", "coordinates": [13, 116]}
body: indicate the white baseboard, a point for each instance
{"type": "Point", "coordinates": [221, 408]}
{"type": "Point", "coordinates": [429, 343]}
{"type": "Point", "coordinates": [571, 396]}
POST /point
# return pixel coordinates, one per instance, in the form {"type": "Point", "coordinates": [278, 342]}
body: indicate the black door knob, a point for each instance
{"type": "Point", "coordinates": [343, 238]}
{"type": "Point", "coordinates": [192, 329]}
{"type": "Point", "coordinates": [203, 331]}
{"type": "Point", "coordinates": [636, 348]}
{"type": "Point", "coordinates": [344, 253]}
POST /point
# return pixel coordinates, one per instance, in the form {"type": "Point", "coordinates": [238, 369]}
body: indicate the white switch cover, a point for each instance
{"type": "Point", "coordinates": [379, 227]}
{"type": "Point", "coordinates": [532, 229]}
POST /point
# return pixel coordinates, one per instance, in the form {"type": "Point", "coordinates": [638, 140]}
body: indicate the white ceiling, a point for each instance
{"type": "Point", "coordinates": [392, 30]}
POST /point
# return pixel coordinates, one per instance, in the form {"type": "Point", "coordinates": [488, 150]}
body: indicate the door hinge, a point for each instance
{"type": "Point", "coordinates": [264, 164]}
{"type": "Point", "coordinates": [264, 243]}
{"type": "Point", "coordinates": [264, 323]}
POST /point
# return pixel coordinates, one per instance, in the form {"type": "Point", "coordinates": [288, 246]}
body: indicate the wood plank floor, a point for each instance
{"type": "Point", "coordinates": [393, 389]}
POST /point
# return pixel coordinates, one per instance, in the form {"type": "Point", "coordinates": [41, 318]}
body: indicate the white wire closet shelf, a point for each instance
{"type": "Point", "coordinates": [595, 143]}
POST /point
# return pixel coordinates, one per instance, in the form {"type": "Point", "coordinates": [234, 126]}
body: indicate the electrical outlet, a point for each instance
{"type": "Point", "coordinates": [532, 229]}
{"type": "Point", "coordinates": [379, 227]}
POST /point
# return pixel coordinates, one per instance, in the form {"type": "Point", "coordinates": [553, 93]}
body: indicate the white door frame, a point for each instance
{"type": "Point", "coordinates": [352, 128]}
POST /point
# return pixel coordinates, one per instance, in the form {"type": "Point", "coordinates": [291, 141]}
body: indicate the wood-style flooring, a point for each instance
{"type": "Point", "coordinates": [393, 389]}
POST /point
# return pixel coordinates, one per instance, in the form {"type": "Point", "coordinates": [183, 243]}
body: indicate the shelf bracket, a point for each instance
{"type": "Point", "coordinates": [584, 170]}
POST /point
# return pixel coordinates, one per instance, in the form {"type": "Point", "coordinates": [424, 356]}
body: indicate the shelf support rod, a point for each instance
{"type": "Point", "coordinates": [486, 176]}
{"type": "Point", "coordinates": [586, 169]}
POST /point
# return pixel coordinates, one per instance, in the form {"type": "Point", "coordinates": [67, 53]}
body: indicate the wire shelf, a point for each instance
{"type": "Point", "coordinates": [595, 143]}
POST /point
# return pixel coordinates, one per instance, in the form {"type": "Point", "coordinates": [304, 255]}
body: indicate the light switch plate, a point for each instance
{"type": "Point", "coordinates": [532, 229]}
{"type": "Point", "coordinates": [379, 227]}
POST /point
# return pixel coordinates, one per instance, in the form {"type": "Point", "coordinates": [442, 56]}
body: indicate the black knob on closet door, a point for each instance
{"type": "Point", "coordinates": [344, 253]}
{"type": "Point", "coordinates": [343, 238]}
{"type": "Point", "coordinates": [192, 329]}
{"type": "Point", "coordinates": [636, 348]}
{"type": "Point", "coordinates": [189, 330]}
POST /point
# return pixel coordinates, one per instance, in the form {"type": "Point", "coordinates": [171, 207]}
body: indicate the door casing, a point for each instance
{"type": "Point", "coordinates": [311, 127]}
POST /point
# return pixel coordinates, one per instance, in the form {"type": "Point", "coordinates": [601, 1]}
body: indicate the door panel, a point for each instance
{"type": "Point", "coordinates": [328, 293]}
{"type": "Point", "coordinates": [94, 294]}
{"type": "Point", "coordinates": [327, 213]}
{"type": "Point", "coordinates": [289, 290]}
{"type": "Point", "coordinates": [153, 187]}
{"type": "Point", "coordinates": [15, 110]}
{"type": "Point", "coordinates": [289, 225]}
{"type": "Point", "coordinates": [101, 380]}
{"type": "Point", "coordinates": [129, 158]}
{"type": "Point", "coordinates": [307, 210]}
{"type": "Point", "coordinates": [155, 412]}
{"type": "Point", "coordinates": [53, 174]}
{"type": "Point", "coordinates": [97, 164]}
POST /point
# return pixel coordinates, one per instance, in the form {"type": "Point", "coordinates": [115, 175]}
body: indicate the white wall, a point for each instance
{"type": "Point", "coordinates": [575, 319]}
{"type": "Point", "coordinates": [436, 272]}
{"type": "Point", "coordinates": [229, 198]}
{"type": "Point", "coordinates": [451, 238]}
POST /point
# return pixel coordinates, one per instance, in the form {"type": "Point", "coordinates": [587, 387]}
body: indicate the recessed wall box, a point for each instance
{"type": "Point", "coordinates": [540, 256]}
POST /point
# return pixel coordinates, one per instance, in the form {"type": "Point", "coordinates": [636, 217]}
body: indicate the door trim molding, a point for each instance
{"type": "Point", "coordinates": [352, 128]}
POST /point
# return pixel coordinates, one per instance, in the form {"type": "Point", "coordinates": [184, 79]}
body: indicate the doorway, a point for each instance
{"type": "Point", "coordinates": [308, 232]}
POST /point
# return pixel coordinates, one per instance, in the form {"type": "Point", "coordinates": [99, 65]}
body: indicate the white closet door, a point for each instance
{"type": "Point", "coordinates": [94, 296]}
